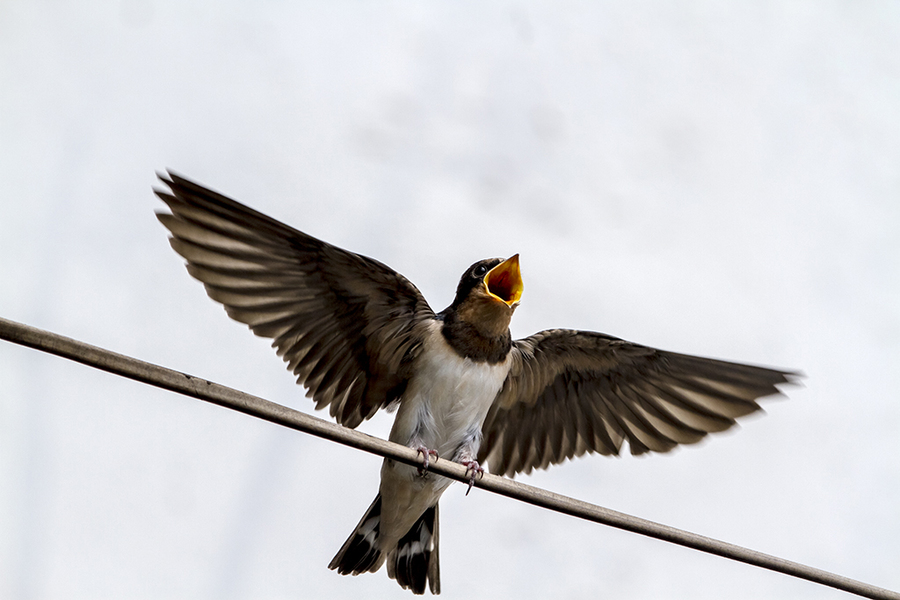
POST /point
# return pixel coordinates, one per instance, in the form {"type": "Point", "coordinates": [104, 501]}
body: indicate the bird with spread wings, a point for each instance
{"type": "Point", "coordinates": [360, 337]}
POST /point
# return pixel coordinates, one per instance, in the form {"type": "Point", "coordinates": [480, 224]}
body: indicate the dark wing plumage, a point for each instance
{"type": "Point", "coordinates": [348, 326]}
{"type": "Point", "coordinates": [571, 392]}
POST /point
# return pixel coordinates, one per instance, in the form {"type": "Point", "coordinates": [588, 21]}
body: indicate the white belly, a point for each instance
{"type": "Point", "coordinates": [443, 409]}
{"type": "Point", "coordinates": [447, 401]}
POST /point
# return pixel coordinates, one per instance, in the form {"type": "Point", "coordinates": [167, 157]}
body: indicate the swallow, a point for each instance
{"type": "Point", "coordinates": [361, 337]}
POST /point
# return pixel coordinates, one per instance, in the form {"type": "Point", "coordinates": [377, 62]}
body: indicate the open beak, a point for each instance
{"type": "Point", "coordinates": [504, 281]}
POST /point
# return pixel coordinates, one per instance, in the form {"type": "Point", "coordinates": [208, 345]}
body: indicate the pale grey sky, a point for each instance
{"type": "Point", "coordinates": [720, 179]}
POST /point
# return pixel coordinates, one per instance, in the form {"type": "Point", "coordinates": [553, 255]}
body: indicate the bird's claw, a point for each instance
{"type": "Point", "coordinates": [426, 453]}
{"type": "Point", "coordinates": [473, 470]}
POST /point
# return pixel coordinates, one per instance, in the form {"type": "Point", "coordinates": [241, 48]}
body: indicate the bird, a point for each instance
{"type": "Point", "coordinates": [361, 337]}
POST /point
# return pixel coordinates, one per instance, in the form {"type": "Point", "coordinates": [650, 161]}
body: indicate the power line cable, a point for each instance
{"type": "Point", "coordinates": [208, 391]}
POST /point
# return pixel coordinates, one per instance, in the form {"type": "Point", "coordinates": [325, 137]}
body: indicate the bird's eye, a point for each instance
{"type": "Point", "coordinates": [479, 271]}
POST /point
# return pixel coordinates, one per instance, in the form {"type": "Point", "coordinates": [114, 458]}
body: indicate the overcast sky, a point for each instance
{"type": "Point", "coordinates": [721, 179]}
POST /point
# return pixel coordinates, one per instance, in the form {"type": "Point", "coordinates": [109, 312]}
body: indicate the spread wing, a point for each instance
{"type": "Point", "coordinates": [346, 325]}
{"type": "Point", "coordinates": [571, 392]}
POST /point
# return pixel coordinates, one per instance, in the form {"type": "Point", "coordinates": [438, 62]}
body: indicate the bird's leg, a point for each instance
{"type": "Point", "coordinates": [465, 455]}
{"type": "Point", "coordinates": [473, 470]}
{"type": "Point", "coordinates": [426, 453]}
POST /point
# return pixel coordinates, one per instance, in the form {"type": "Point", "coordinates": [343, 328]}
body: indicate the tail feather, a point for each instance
{"type": "Point", "coordinates": [414, 563]}
{"type": "Point", "coordinates": [361, 553]}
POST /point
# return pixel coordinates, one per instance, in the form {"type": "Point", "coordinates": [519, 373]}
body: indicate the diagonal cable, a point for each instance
{"type": "Point", "coordinates": [208, 391]}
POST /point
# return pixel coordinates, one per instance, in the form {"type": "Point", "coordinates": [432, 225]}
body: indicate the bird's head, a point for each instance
{"type": "Point", "coordinates": [488, 293]}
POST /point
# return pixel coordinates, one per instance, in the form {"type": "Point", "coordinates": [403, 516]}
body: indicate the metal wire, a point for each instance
{"type": "Point", "coordinates": [208, 391]}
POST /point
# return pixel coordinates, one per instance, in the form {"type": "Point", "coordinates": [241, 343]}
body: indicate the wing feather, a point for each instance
{"type": "Point", "coordinates": [572, 392]}
{"type": "Point", "coordinates": [347, 326]}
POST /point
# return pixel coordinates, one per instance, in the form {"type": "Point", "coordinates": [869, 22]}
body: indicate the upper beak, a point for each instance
{"type": "Point", "coordinates": [504, 281]}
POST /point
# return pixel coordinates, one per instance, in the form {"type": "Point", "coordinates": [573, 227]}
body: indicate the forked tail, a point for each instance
{"type": "Point", "coordinates": [413, 563]}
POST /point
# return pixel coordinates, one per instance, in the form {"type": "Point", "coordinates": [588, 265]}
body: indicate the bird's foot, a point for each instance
{"type": "Point", "coordinates": [426, 454]}
{"type": "Point", "coordinates": [473, 470]}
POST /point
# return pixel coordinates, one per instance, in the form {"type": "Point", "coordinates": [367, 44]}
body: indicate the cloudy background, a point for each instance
{"type": "Point", "coordinates": [717, 179]}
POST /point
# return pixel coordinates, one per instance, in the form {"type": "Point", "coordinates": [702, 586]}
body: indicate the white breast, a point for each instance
{"type": "Point", "coordinates": [447, 400]}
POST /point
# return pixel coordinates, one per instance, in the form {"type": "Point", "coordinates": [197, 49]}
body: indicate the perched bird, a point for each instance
{"type": "Point", "coordinates": [360, 337]}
